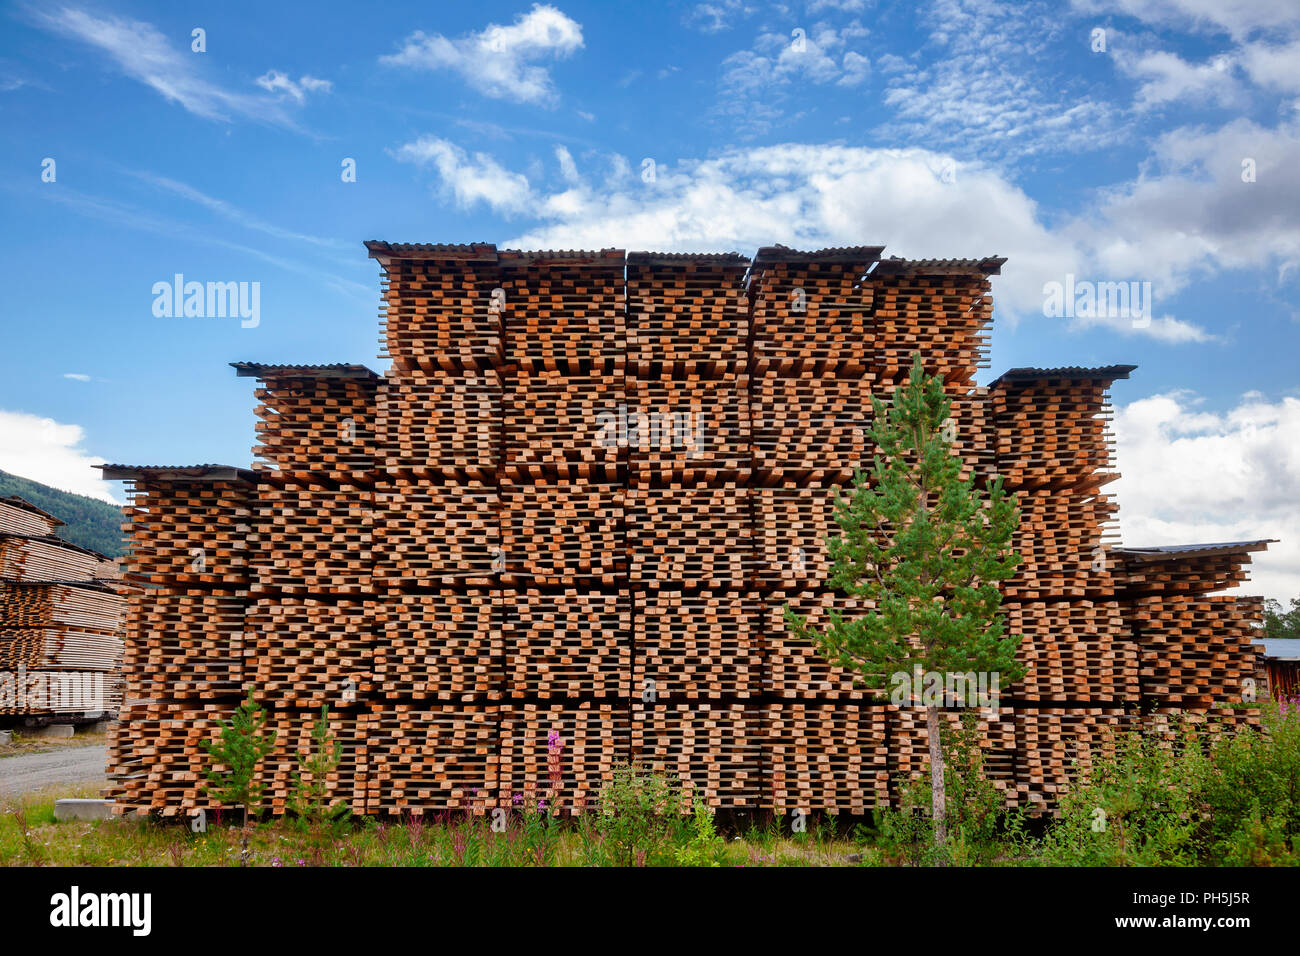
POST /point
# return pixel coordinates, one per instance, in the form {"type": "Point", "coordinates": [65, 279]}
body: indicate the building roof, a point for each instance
{"type": "Point", "coordinates": [338, 370]}
{"type": "Point", "coordinates": [1105, 373]}
{"type": "Point", "coordinates": [210, 472]}
{"type": "Point", "coordinates": [1167, 551]}
{"type": "Point", "coordinates": [17, 502]}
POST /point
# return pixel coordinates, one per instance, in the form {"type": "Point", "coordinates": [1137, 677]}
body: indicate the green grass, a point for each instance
{"type": "Point", "coordinates": [29, 836]}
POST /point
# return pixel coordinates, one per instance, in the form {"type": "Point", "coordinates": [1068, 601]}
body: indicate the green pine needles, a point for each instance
{"type": "Point", "coordinates": [921, 552]}
{"type": "Point", "coordinates": [232, 778]}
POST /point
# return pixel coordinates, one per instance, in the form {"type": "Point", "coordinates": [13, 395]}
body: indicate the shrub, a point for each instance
{"type": "Point", "coordinates": [703, 846]}
{"type": "Point", "coordinates": [637, 810]}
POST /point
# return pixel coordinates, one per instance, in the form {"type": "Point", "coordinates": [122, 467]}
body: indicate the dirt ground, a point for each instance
{"type": "Point", "coordinates": [32, 764]}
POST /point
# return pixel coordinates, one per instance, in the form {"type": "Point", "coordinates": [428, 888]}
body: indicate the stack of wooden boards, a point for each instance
{"type": "Point", "coordinates": [62, 620]}
{"type": "Point", "coordinates": [561, 532]}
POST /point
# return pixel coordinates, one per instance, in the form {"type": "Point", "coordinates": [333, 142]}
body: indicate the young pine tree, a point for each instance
{"type": "Point", "coordinates": [924, 551]}
{"type": "Point", "coordinates": [237, 753]}
{"type": "Point", "coordinates": [311, 801]}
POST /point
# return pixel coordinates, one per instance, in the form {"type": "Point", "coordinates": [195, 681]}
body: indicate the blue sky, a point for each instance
{"type": "Point", "coordinates": [946, 128]}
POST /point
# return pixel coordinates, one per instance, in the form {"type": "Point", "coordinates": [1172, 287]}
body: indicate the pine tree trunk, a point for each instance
{"type": "Point", "coordinates": [938, 793]}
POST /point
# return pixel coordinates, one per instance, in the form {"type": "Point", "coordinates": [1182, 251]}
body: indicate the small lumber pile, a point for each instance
{"type": "Point", "coordinates": [427, 535]}
{"type": "Point", "coordinates": [690, 537]}
{"type": "Point", "coordinates": [559, 756]}
{"type": "Point", "coordinates": [569, 644]}
{"type": "Point", "coordinates": [62, 620]}
{"type": "Point", "coordinates": [995, 734]}
{"type": "Point", "coordinates": [687, 312]}
{"type": "Point", "coordinates": [582, 526]}
{"type": "Point", "coordinates": [812, 311]}
{"type": "Point", "coordinates": [188, 530]}
{"type": "Point", "coordinates": [440, 646]}
{"type": "Point", "coordinates": [313, 539]}
{"type": "Point", "coordinates": [567, 426]}
{"type": "Point", "coordinates": [424, 758]}
{"type": "Point", "coordinates": [314, 420]}
{"type": "Point", "coordinates": [713, 749]}
{"type": "Point", "coordinates": [441, 306]}
{"type": "Point", "coordinates": [698, 645]}
{"type": "Point", "coordinates": [826, 755]}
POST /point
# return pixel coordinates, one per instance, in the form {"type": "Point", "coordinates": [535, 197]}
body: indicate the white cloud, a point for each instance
{"type": "Point", "coordinates": [1273, 67]}
{"type": "Point", "coordinates": [77, 376]}
{"type": "Point", "coordinates": [568, 169]}
{"type": "Point", "coordinates": [469, 180]}
{"type": "Point", "coordinates": [1168, 78]}
{"type": "Point", "coordinates": [50, 452]}
{"type": "Point", "coordinates": [1165, 329]}
{"type": "Point", "coordinates": [273, 81]}
{"type": "Point", "coordinates": [985, 86]}
{"type": "Point", "coordinates": [810, 196]}
{"type": "Point", "coordinates": [1193, 215]}
{"type": "Point", "coordinates": [1238, 18]}
{"type": "Point", "coordinates": [498, 61]}
{"type": "Point", "coordinates": [228, 211]}
{"type": "Point", "coordinates": [143, 53]}
{"type": "Point", "coordinates": [778, 59]}
{"type": "Point", "coordinates": [856, 69]}
{"type": "Point", "coordinates": [719, 16]}
{"type": "Point", "coordinates": [1200, 477]}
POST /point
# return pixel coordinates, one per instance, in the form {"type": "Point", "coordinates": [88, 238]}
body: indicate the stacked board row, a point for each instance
{"type": "Point", "coordinates": [61, 620]}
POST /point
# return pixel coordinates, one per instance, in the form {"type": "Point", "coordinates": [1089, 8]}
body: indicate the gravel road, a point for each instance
{"type": "Point", "coordinates": [78, 766]}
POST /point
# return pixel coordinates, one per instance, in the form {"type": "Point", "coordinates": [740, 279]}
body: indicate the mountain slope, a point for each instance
{"type": "Point", "coordinates": [90, 523]}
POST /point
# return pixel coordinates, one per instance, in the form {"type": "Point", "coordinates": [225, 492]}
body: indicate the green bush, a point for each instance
{"type": "Point", "coordinates": [1251, 792]}
{"type": "Point", "coordinates": [638, 809]}
{"type": "Point", "coordinates": [702, 846]}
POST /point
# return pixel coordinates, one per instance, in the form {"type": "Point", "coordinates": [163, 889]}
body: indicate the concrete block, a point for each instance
{"type": "Point", "coordinates": [6, 737]}
{"type": "Point", "coordinates": [100, 726]}
{"type": "Point", "coordinates": [70, 809]}
{"type": "Point", "coordinates": [53, 730]}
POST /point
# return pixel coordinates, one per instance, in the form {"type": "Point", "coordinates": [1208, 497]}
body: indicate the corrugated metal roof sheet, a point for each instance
{"type": "Point", "coordinates": [863, 254]}
{"type": "Point", "coordinates": [508, 257]}
{"type": "Point", "coordinates": [1165, 551]}
{"type": "Point", "coordinates": [207, 472]}
{"type": "Point", "coordinates": [988, 266]}
{"type": "Point", "coordinates": [339, 370]}
{"type": "Point", "coordinates": [686, 258]}
{"type": "Point", "coordinates": [1101, 373]}
{"type": "Point", "coordinates": [379, 249]}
